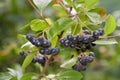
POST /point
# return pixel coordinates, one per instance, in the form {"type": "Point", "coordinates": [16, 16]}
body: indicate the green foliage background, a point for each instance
{"type": "Point", "coordinates": [16, 13]}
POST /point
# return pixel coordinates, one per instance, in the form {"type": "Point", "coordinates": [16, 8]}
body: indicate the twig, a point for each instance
{"type": "Point", "coordinates": [110, 36]}
{"type": "Point", "coordinates": [63, 6]}
{"type": "Point", "coordinates": [46, 66]}
{"type": "Point", "coordinates": [38, 12]}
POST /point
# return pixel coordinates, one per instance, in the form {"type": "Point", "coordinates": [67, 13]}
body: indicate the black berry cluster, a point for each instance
{"type": "Point", "coordinates": [83, 60]}
{"type": "Point", "coordinates": [40, 41]}
{"type": "Point", "coordinates": [37, 58]}
{"type": "Point", "coordinates": [44, 49]}
{"type": "Point", "coordinates": [82, 42]}
{"type": "Point", "coordinates": [43, 43]}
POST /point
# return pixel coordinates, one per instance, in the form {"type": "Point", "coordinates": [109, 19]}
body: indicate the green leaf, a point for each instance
{"type": "Point", "coordinates": [60, 25]}
{"type": "Point", "coordinates": [28, 76]}
{"type": "Point", "coordinates": [90, 3]}
{"type": "Point", "coordinates": [41, 4]}
{"type": "Point", "coordinates": [54, 41]}
{"type": "Point", "coordinates": [28, 60]}
{"type": "Point", "coordinates": [106, 42]}
{"type": "Point", "coordinates": [24, 27]}
{"type": "Point", "coordinates": [38, 25]}
{"type": "Point", "coordinates": [60, 9]}
{"type": "Point", "coordinates": [70, 2]}
{"type": "Point", "coordinates": [110, 25]}
{"type": "Point", "coordinates": [94, 17]}
{"type": "Point", "coordinates": [70, 75]}
{"type": "Point", "coordinates": [68, 64]}
{"type": "Point", "coordinates": [5, 76]}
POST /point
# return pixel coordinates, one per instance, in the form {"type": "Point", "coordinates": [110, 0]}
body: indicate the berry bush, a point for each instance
{"type": "Point", "coordinates": [68, 41]}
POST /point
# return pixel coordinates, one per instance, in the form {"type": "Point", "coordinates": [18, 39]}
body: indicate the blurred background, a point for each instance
{"type": "Point", "coordinates": [16, 13]}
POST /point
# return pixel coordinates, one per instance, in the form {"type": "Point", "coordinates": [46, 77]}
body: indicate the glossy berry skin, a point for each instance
{"type": "Point", "coordinates": [41, 60]}
{"type": "Point", "coordinates": [40, 39]}
{"type": "Point", "coordinates": [62, 41]}
{"type": "Point", "coordinates": [90, 59]}
{"type": "Point", "coordinates": [55, 50]}
{"type": "Point", "coordinates": [87, 32]}
{"type": "Point", "coordinates": [37, 43]}
{"type": "Point", "coordinates": [35, 59]}
{"type": "Point", "coordinates": [29, 37]}
{"type": "Point", "coordinates": [46, 44]}
{"type": "Point", "coordinates": [86, 39]}
{"type": "Point", "coordinates": [101, 31]}
{"type": "Point", "coordinates": [92, 39]}
{"type": "Point", "coordinates": [70, 37]}
{"type": "Point", "coordinates": [79, 37]}
{"type": "Point", "coordinates": [91, 54]}
{"type": "Point", "coordinates": [72, 45]}
{"type": "Point", "coordinates": [47, 51]}
{"type": "Point", "coordinates": [42, 51]}
{"type": "Point", "coordinates": [96, 34]}
{"type": "Point", "coordinates": [74, 40]}
{"type": "Point", "coordinates": [22, 53]}
{"type": "Point", "coordinates": [83, 67]}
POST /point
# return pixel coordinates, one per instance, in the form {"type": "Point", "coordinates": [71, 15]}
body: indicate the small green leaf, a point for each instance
{"type": "Point", "coordinates": [90, 3]}
{"type": "Point", "coordinates": [38, 25]}
{"type": "Point", "coordinates": [28, 76]}
{"type": "Point", "coordinates": [68, 64]}
{"type": "Point", "coordinates": [94, 17]}
{"type": "Point", "coordinates": [106, 42]}
{"type": "Point", "coordinates": [60, 25]}
{"type": "Point", "coordinates": [54, 41]}
{"type": "Point", "coordinates": [60, 9]}
{"type": "Point", "coordinates": [28, 60]}
{"type": "Point", "coordinates": [70, 75]}
{"type": "Point", "coordinates": [24, 27]}
{"type": "Point", "coordinates": [110, 25]}
{"type": "Point", "coordinates": [70, 2]}
{"type": "Point", "coordinates": [41, 4]}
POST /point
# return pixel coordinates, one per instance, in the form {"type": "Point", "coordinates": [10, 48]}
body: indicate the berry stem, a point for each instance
{"type": "Point", "coordinates": [46, 66]}
{"type": "Point", "coordinates": [108, 37]}
{"type": "Point", "coordinates": [38, 12]}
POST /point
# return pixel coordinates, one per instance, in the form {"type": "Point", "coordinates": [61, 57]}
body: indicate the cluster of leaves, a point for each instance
{"type": "Point", "coordinates": [76, 15]}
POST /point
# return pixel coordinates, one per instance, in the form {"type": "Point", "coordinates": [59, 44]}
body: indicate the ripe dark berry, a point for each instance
{"type": "Point", "coordinates": [92, 39]}
{"type": "Point", "coordinates": [37, 43]}
{"type": "Point", "coordinates": [96, 34]}
{"type": "Point", "coordinates": [47, 51]}
{"type": "Point", "coordinates": [35, 59]}
{"type": "Point", "coordinates": [40, 39]}
{"type": "Point", "coordinates": [82, 60]}
{"type": "Point", "coordinates": [57, 50]}
{"type": "Point", "coordinates": [90, 59]}
{"type": "Point", "coordinates": [86, 39]}
{"type": "Point", "coordinates": [87, 32]}
{"type": "Point", "coordinates": [79, 37]}
{"type": "Point", "coordinates": [72, 45]}
{"type": "Point", "coordinates": [22, 53]}
{"type": "Point", "coordinates": [42, 51]}
{"type": "Point", "coordinates": [29, 37]}
{"type": "Point", "coordinates": [101, 31]}
{"type": "Point", "coordinates": [74, 40]}
{"type": "Point", "coordinates": [62, 41]}
{"type": "Point", "coordinates": [91, 54]}
{"type": "Point", "coordinates": [33, 41]}
{"type": "Point", "coordinates": [70, 37]}
{"type": "Point", "coordinates": [46, 44]}
{"type": "Point", "coordinates": [83, 67]}
{"type": "Point", "coordinates": [66, 43]}
{"type": "Point", "coordinates": [41, 60]}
